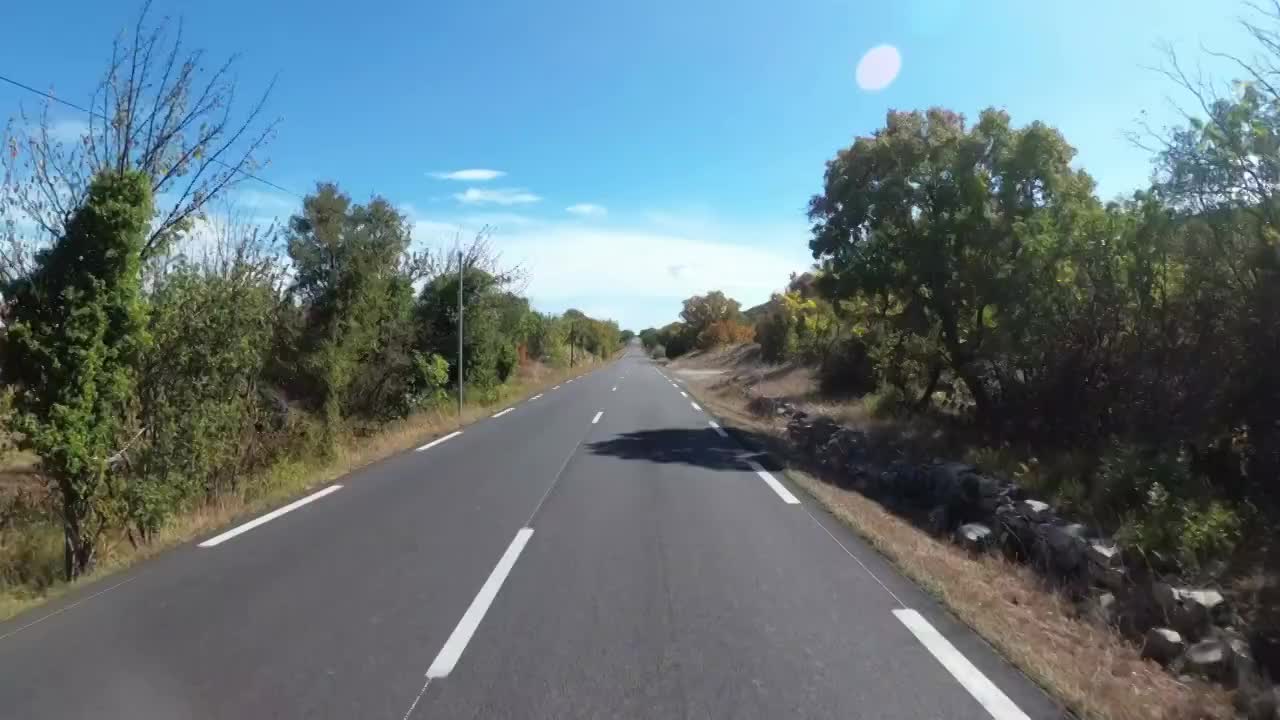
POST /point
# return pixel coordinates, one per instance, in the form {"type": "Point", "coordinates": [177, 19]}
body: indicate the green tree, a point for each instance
{"type": "Point", "coordinates": [77, 330]}
{"type": "Point", "coordinates": [700, 311]}
{"type": "Point", "coordinates": [199, 387]}
{"type": "Point", "coordinates": [489, 349]}
{"type": "Point", "coordinates": [353, 275]}
{"type": "Point", "coordinates": [955, 223]}
{"type": "Point", "coordinates": [1221, 173]}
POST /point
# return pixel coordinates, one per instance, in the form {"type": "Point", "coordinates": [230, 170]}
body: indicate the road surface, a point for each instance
{"type": "Point", "coordinates": [600, 551]}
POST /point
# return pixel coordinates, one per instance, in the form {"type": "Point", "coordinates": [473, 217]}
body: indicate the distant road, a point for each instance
{"type": "Point", "coordinates": [601, 551]}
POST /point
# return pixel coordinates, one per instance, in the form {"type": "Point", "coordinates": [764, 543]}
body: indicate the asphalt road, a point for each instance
{"type": "Point", "coordinates": [600, 551]}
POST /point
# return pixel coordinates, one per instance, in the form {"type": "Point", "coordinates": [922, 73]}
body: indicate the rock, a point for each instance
{"type": "Point", "coordinates": [1103, 553]}
{"type": "Point", "coordinates": [1162, 645]}
{"type": "Point", "coordinates": [939, 520]}
{"type": "Point", "coordinates": [1106, 608]}
{"type": "Point", "coordinates": [946, 481]}
{"type": "Point", "coordinates": [1034, 510]}
{"type": "Point", "coordinates": [991, 504]}
{"type": "Point", "coordinates": [1015, 531]}
{"type": "Point", "coordinates": [846, 446]}
{"type": "Point", "coordinates": [1208, 658]}
{"type": "Point", "coordinates": [981, 486]}
{"type": "Point", "coordinates": [1189, 611]}
{"type": "Point", "coordinates": [975, 537]}
{"type": "Point", "coordinates": [1065, 545]}
{"type": "Point", "coordinates": [1244, 671]}
{"type": "Point", "coordinates": [952, 472]}
{"type": "Point", "coordinates": [1111, 578]}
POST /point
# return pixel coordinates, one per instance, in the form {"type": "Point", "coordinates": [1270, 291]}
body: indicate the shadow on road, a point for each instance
{"type": "Point", "coordinates": [700, 447]}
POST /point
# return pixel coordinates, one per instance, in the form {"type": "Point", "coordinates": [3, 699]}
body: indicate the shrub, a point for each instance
{"type": "Point", "coordinates": [847, 369]}
{"type": "Point", "coordinates": [1193, 532]}
{"type": "Point", "coordinates": [725, 332]}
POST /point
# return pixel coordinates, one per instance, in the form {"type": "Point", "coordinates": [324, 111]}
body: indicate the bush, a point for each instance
{"type": "Point", "coordinates": [847, 369]}
{"type": "Point", "coordinates": [725, 332]}
{"type": "Point", "coordinates": [1191, 532]}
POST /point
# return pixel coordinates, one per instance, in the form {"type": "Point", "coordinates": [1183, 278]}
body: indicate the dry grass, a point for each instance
{"type": "Point", "coordinates": [1090, 668]}
{"type": "Point", "coordinates": [283, 481]}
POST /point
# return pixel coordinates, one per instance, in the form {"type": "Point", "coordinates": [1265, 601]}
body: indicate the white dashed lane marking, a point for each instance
{"type": "Point", "coordinates": [983, 690]}
{"type": "Point", "coordinates": [773, 483]}
{"type": "Point", "coordinates": [437, 441]}
{"type": "Point", "coordinates": [457, 642]}
{"type": "Point", "coordinates": [219, 539]}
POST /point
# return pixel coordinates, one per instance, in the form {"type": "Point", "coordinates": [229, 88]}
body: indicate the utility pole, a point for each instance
{"type": "Point", "coordinates": [459, 332]}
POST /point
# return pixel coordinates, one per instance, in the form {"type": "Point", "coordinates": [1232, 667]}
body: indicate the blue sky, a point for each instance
{"type": "Point", "coordinates": [686, 136]}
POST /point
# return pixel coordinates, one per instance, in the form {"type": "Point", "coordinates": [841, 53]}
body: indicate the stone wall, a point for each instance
{"type": "Point", "coordinates": [1192, 631]}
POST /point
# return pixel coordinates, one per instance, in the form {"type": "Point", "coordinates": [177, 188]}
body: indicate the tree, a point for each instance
{"type": "Point", "coordinates": [626, 335]}
{"type": "Point", "coordinates": [488, 355]}
{"type": "Point", "coordinates": [676, 338]}
{"type": "Point", "coordinates": [353, 274]}
{"type": "Point", "coordinates": [1221, 171]}
{"type": "Point", "coordinates": [702, 310]}
{"type": "Point", "coordinates": [77, 328]}
{"type": "Point", "coordinates": [157, 110]}
{"type": "Point", "coordinates": [954, 223]}
{"type": "Point", "coordinates": [211, 323]}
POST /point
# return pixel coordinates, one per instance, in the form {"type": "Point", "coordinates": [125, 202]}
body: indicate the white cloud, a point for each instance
{"type": "Point", "coordinates": [587, 210]}
{"type": "Point", "coordinates": [878, 68]}
{"type": "Point", "coordinates": [469, 175]}
{"type": "Point", "coordinates": [497, 196]}
{"type": "Point", "coordinates": [638, 273]}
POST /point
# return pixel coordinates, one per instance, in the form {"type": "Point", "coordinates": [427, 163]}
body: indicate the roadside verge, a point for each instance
{"type": "Point", "coordinates": [1089, 668]}
{"type": "Point", "coordinates": [285, 480]}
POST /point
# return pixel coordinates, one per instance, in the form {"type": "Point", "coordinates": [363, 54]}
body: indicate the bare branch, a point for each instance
{"type": "Point", "coordinates": [154, 110]}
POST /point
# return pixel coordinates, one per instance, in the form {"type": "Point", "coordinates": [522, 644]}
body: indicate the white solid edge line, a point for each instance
{"type": "Point", "coordinates": [437, 441]}
{"type": "Point", "coordinates": [596, 419]}
{"type": "Point", "coordinates": [719, 430]}
{"type": "Point", "coordinates": [983, 690]}
{"type": "Point", "coordinates": [448, 656]}
{"type": "Point", "coordinates": [504, 412]}
{"type": "Point", "coordinates": [65, 608]}
{"type": "Point", "coordinates": [773, 483]}
{"type": "Point", "coordinates": [695, 405]}
{"type": "Point", "coordinates": [219, 539]}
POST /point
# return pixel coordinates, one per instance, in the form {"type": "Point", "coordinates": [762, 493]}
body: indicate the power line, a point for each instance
{"type": "Point", "coordinates": [87, 111]}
